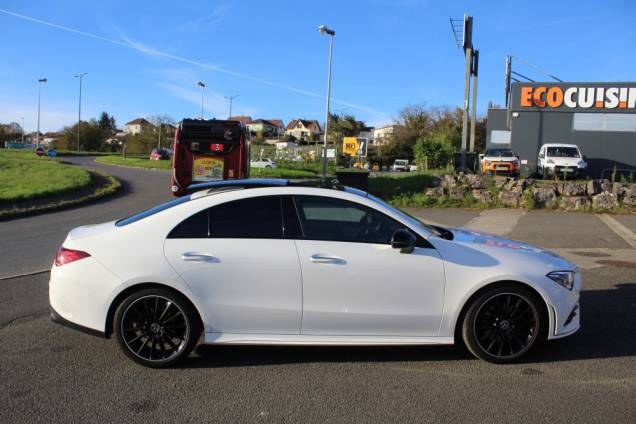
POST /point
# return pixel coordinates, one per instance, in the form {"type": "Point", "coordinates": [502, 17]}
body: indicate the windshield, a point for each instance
{"type": "Point", "coordinates": [563, 152]}
{"type": "Point", "coordinates": [499, 152]}
{"type": "Point", "coordinates": [405, 216]}
{"type": "Point", "coordinates": [401, 162]}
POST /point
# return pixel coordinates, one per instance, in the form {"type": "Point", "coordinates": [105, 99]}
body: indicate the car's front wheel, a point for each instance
{"type": "Point", "coordinates": [156, 327]}
{"type": "Point", "coordinates": [504, 323]}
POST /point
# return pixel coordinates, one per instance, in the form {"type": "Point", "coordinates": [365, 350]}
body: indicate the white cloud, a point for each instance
{"type": "Point", "coordinates": [207, 22]}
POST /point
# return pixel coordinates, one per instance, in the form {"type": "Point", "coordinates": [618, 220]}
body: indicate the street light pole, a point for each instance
{"type": "Point", "coordinates": [37, 134]}
{"type": "Point", "coordinates": [202, 85]}
{"type": "Point", "coordinates": [231, 98]}
{"type": "Point", "coordinates": [324, 30]}
{"type": "Point", "coordinates": [23, 130]}
{"type": "Point", "coordinates": [79, 109]}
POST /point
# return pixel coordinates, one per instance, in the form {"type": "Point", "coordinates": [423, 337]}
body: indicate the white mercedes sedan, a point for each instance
{"type": "Point", "coordinates": [272, 262]}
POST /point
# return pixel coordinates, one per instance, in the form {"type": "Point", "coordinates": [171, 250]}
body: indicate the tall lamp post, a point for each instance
{"type": "Point", "coordinates": [202, 85]}
{"type": "Point", "coordinates": [324, 30]}
{"type": "Point", "coordinates": [37, 134]}
{"type": "Point", "coordinates": [79, 109]}
{"type": "Point", "coordinates": [231, 98]}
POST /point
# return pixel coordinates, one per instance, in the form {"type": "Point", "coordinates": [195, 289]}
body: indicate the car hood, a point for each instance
{"type": "Point", "coordinates": [504, 249]}
{"type": "Point", "coordinates": [565, 161]}
{"type": "Point", "coordinates": [500, 158]}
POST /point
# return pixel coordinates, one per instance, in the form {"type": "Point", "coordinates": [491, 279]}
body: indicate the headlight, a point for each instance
{"type": "Point", "coordinates": [487, 163]}
{"type": "Point", "coordinates": [582, 164]}
{"type": "Point", "coordinates": [515, 163]}
{"type": "Point", "coordinates": [564, 278]}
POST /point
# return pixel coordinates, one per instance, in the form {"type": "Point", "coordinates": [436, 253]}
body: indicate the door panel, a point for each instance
{"type": "Point", "coordinates": [244, 285]}
{"type": "Point", "coordinates": [370, 289]}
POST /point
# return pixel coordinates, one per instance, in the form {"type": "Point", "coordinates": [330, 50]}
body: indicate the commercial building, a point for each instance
{"type": "Point", "coordinates": [598, 117]}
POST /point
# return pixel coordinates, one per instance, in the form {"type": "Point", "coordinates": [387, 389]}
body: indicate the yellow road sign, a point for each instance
{"type": "Point", "coordinates": [350, 146]}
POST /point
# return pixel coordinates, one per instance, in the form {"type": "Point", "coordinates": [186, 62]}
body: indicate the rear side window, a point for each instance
{"type": "Point", "coordinates": [257, 217]}
{"type": "Point", "coordinates": [197, 226]}
{"type": "Point", "coordinates": [152, 211]}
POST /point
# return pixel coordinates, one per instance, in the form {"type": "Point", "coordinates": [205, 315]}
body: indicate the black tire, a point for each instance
{"type": "Point", "coordinates": [544, 175]}
{"type": "Point", "coordinates": [162, 317]}
{"type": "Point", "coordinates": [504, 323]}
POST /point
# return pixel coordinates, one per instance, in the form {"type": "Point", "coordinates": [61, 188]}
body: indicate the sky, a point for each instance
{"type": "Point", "coordinates": [145, 58]}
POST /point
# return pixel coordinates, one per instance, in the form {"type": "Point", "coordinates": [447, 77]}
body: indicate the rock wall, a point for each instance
{"type": "Point", "coordinates": [597, 195]}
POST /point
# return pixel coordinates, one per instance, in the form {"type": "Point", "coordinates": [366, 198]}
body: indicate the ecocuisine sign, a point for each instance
{"type": "Point", "coordinates": [585, 96]}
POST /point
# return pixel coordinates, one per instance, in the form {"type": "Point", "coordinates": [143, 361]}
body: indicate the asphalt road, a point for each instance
{"type": "Point", "coordinates": [49, 373]}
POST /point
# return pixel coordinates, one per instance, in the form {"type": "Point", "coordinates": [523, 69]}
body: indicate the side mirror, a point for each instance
{"type": "Point", "coordinates": [403, 240]}
{"type": "Point", "coordinates": [541, 156]}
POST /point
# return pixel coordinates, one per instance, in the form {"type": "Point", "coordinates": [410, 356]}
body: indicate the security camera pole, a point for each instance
{"type": "Point", "coordinates": [37, 134]}
{"type": "Point", "coordinates": [202, 85]}
{"type": "Point", "coordinates": [324, 30]}
{"type": "Point", "coordinates": [79, 111]}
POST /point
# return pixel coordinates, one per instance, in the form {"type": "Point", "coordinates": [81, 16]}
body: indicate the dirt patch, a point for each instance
{"type": "Point", "coordinates": [618, 264]}
{"type": "Point", "coordinates": [592, 254]}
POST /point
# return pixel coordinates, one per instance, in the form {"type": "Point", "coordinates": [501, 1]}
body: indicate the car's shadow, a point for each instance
{"type": "Point", "coordinates": [608, 331]}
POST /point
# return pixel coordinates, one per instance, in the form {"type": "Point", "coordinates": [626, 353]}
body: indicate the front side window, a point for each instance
{"type": "Point", "coordinates": [324, 218]}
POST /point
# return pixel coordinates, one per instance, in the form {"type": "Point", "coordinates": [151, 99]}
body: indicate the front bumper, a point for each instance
{"type": "Point", "coordinates": [567, 171]}
{"type": "Point", "coordinates": [565, 309]}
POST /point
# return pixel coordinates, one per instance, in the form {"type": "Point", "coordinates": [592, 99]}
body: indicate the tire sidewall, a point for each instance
{"type": "Point", "coordinates": [194, 329]}
{"type": "Point", "coordinates": [468, 335]}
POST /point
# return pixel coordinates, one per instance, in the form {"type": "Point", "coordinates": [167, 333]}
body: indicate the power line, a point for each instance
{"type": "Point", "coordinates": [544, 72]}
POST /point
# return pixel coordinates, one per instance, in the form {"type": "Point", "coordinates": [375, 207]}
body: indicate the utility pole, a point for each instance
{"type": "Point", "coordinates": [464, 40]}
{"type": "Point", "coordinates": [324, 30]}
{"type": "Point", "coordinates": [37, 134]}
{"type": "Point", "coordinates": [23, 130]}
{"type": "Point", "coordinates": [202, 85]}
{"type": "Point", "coordinates": [79, 110]}
{"type": "Point", "coordinates": [159, 141]}
{"type": "Point", "coordinates": [231, 98]}
{"type": "Point", "coordinates": [473, 106]}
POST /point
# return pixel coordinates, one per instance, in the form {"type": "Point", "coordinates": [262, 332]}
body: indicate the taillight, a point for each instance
{"type": "Point", "coordinates": [66, 256]}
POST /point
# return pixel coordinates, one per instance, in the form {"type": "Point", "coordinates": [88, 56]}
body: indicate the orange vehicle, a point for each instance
{"type": "Point", "coordinates": [499, 161]}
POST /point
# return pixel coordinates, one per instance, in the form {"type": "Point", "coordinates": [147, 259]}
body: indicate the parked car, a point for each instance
{"type": "Point", "coordinates": [499, 161]}
{"type": "Point", "coordinates": [561, 160]}
{"type": "Point", "coordinates": [271, 262]}
{"type": "Point", "coordinates": [160, 154]}
{"type": "Point", "coordinates": [401, 165]}
{"type": "Point", "coordinates": [263, 163]}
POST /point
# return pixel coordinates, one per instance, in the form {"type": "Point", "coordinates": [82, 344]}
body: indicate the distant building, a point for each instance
{"type": "Point", "coordinates": [246, 120]}
{"type": "Point", "coordinates": [49, 137]}
{"type": "Point", "coordinates": [367, 132]}
{"type": "Point", "coordinates": [269, 128]}
{"type": "Point", "coordinates": [384, 135]}
{"type": "Point", "coordinates": [138, 126]}
{"type": "Point", "coordinates": [303, 129]}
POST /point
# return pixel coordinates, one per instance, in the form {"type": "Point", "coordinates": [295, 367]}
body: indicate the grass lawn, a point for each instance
{"type": "Point", "coordinates": [25, 176]}
{"type": "Point", "coordinates": [166, 164]}
{"type": "Point", "coordinates": [134, 161]}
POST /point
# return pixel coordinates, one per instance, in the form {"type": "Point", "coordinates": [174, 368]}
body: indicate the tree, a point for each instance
{"type": "Point", "coordinates": [107, 123]}
{"type": "Point", "coordinates": [92, 137]}
{"type": "Point", "coordinates": [435, 153]}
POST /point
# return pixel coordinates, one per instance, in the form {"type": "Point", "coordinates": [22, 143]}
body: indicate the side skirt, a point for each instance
{"type": "Point", "coordinates": [309, 339]}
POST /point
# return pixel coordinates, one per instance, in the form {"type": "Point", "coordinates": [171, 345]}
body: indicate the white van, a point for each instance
{"type": "Point", "coordinates": [561, 160]}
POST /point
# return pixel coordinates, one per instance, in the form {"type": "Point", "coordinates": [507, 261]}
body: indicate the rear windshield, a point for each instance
{"type": "Point", "coordinates": [499, 153]}
{"type": "Point", "coordinates": [141, 215]}
{"type": "Point", "coordinates": [563, 152]}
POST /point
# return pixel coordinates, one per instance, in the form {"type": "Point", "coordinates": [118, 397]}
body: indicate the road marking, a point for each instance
{"type": "Point", "coordinates": [621, 230]}
{"type": "Point", "coordinates": [26, 274]}
{"type": "Point", "coordinates": [496, 221]}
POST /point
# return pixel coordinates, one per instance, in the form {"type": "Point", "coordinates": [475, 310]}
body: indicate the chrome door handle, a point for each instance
{"type": "Point", "coordinates": [198, 257]}
{"type": "Point", "coordinates": [327, 259]}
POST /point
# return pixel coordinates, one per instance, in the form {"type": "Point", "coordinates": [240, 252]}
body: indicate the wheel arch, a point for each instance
{"type": "Point", "coordinates": [110, 316]}
{"type": "Point", "coordinates": [460, 318]}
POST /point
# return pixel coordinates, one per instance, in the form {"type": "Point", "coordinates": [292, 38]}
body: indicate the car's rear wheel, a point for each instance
{"type": "Point", "coordinates": [504, 323]}
{"type": "Point", "coordinates": [156, 327]}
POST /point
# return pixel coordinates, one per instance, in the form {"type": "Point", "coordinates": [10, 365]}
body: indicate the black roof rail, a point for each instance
{"type": "Point", "coordinates": [332, 184]}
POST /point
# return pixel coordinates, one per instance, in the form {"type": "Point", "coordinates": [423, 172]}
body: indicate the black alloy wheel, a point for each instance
{"type": "Point", "coordinates": [504, 324]}
{"type": "Point", "coordinates": [156, 327]}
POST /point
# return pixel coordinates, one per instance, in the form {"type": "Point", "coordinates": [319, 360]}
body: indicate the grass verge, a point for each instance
{"type": "Point", "coordinates": [25, 177]}
{"type": "Point", "coordinates": [101, 185]}
{"type": "Point", "coordinates": [135, 162]}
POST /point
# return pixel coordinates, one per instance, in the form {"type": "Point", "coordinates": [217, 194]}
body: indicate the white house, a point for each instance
{"type": "Point", "coordinates": [138, 126]}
